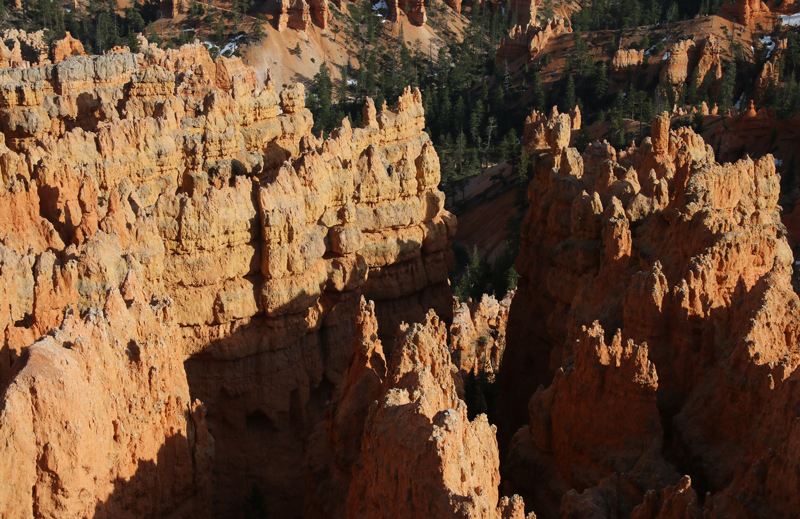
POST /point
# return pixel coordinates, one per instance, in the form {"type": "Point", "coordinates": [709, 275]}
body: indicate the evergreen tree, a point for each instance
{"type": "Point", "coordinates": [133, 42]}
{"type": "Point", "coordinates": [322, 90]}
{"type": "Point", "coordinates": [569, 95]}
{"type": "Point", "coordinates": [601, 82]}
{"type": "Point", "coordinates": [258, 27]}
{"type": "Point", "coordinates": [726, 90]}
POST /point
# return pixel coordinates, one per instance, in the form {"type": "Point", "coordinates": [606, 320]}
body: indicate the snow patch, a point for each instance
{"type": "Point", "coordinates": [352, 82]}
{"type": "Point", "coordinates": [651, 49]}
{"type": "Point", "coordinates": [666, 56]}
{"type": "Point", "coordinates": [231, 46]}
{"type": "Point", "coordinates": [208, 45]}
{"type": "Point", "coordinates": [790, 19]}
{"type": "Point", "coordinates": [738, 104]}
{"type": "Point", "coordinates": [778, 162]}
{"type": "Point", "coordinates": [380, 5]}
{"type": "Point", "coordinates": [766, 40]}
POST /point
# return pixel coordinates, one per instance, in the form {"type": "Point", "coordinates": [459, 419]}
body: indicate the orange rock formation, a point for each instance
{"type": "Point", "coordinates": [122, 166]}
{"type": "Point", "coordinates": [625, 60]}
{"type": "Point", "coordinates": [479, 334]}
{"type": "Point", "coordinates": [66, 47]}
{"type": "Point", "coordinates": [526, 11]}
{"type": "Point", "coordinates": [685, 257]}
{"type": "Point", "coordinates": [98, 420]}
{"type": "Point", "coordinates": [385, 419]}
{"type": "Point", "coordinates": [539, 128]}
{"type": "Point", "coordinates": [744, 10]}
{"type": "Point", "coordinates": [300, 14]}
{"type": "Point", "coordinates": [414, 9]}
{"type": "Point", "coordinates": [529, 40]}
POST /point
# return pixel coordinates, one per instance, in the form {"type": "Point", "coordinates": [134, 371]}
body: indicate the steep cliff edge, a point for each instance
{"type": "Point", "coordinates": [258, 237]}
{"type": "Point", "coordinates": [682, 254]}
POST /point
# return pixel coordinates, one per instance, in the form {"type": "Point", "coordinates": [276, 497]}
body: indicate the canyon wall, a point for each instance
{"type": "Point", "coordinates": [397, 441]}
{"type": "Point", "coordinates": [654, 334]}
{"type": "Point", "coordinates": [250, 238]}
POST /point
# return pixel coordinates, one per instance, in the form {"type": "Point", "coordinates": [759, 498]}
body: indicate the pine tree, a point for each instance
{"type": "Point", "coordinates": [133, 42]}
{"type": "Point", "coordinates": [601, 82]}
{"type": "Point", "coordinates": [341, 92]}
{"type": "Point", "coordinates": [459, 114]}
{"type": "Point", "coordinates": [569, 95]}
{"type": "Point", "coordinates": [726, 90]}
{"type": "Point", "coordinates": [258, 27]}
{"type": "Point", "coordinates": [322, 88]}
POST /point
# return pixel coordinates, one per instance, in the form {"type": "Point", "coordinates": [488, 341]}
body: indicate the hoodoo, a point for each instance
{"type": "Point", "coordinates": [232, 283]}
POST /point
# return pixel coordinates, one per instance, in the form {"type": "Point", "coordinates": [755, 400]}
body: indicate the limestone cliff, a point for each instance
{"type": "Point", "coordinates": [687, 256]}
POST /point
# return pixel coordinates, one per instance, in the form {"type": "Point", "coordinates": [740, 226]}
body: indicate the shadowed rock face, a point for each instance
{"type": "Point", "coordinates": [684, 260]}
{"type": "Point", "coordinates": [388, 417]}
{"type": "Point", "coordinates": [259, 238]}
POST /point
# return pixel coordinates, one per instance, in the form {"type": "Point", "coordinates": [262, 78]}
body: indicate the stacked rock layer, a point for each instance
{"type": "Point", "coordinates": [251, 239]}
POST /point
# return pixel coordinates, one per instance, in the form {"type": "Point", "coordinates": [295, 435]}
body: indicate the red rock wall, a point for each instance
{"type": "Point", "coordinates": [685, 255]}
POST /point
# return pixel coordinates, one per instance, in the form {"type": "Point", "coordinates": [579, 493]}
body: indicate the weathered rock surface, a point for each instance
{"type": "Point", "coordinates": [526, 11]}
{"type": "Point", "coordinates": [529, 39]}
{"type": "Point", "coordinates": [98, 420]}
{"type": "Point", "coordinates": [259, 237]}
{"type": "Point", "coordinates": [478, 334]}
{"type": "Point", "coordinates": [414, 10]}
{"type": "Point", "coordinates": [744, 11]}
{"type": "Point", "coordinates": [66, 47]}
{"type": "Point", "coordinates": [385, 419]}
{"type": "Point", "coordinates": [688, 57]}
{"type": "Point", "coordinates": [624, 61]}
{"type": "Point", "coordinates": [683, 255]}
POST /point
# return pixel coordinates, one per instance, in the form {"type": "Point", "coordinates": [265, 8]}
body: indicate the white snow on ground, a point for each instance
{"type": "Point", "coordinates": [778, 162]}
{"type": "Point", "coordinates": [648, 51]}
{"type": "Point", "coordinates": [666, 56]}
{"type": "Point", "coordinates": [738, 104]}
{"type": "Point", "coordinates": [352, 81]}
{"type": "Point", "coordinates": [210, 46]}
{"type": "Point", "coordinates": [766, 40]}
{"type": "Point", "coordinates": [790, 19]}
{"type": "Point", "coordinates": [231, 46]}
{"type": "Point", "coordinates": [380, 5]}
